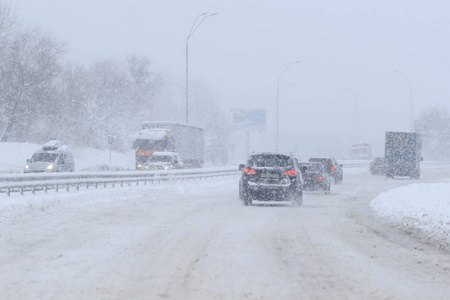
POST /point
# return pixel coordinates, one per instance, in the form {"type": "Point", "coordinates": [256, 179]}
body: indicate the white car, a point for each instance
{"type": "Point", "coordinates": [163, 161]}
{"type": "Point", "coordinates": [53, 157]}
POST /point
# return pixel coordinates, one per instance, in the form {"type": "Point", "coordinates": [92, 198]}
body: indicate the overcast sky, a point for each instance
{"type": "Point", "coordinates": [347, 52]}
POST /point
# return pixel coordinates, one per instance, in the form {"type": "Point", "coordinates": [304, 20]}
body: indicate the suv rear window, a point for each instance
{"type": "Point", "coordinates": [312, 167]}
{"type": "Point", "coordinates": [270, 160]}
{"type": "Point", "coordinates": [325, 161]}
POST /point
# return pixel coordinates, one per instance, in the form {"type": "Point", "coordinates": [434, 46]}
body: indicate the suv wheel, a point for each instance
{"type": "Point", "coordinates": [297, 199]}
{"type": "Point", "coordinates": [327, 188]}
{"type": "Point", "coordinates": [243, 195]}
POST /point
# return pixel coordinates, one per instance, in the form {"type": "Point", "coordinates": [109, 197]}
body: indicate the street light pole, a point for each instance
{"type": "Point", "coordinates": [194, 27]}
{"type": "Point", "coordinates": [277, 103]}
{"type": "Point", "coordinates": [357, 111]}
{"type": "Point", "coordinates": [410, 97]}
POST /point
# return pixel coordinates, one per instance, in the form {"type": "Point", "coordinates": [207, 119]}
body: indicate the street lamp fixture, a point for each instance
{"type": "Point", "coordinates": [277, 103]}
{"type": "Point", "coordinates": [410, 97]}
{"type": "Point", "coordinates": [194, 27]}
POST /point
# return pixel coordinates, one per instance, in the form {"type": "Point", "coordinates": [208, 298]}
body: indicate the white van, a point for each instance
{"type": "Point", "coordinates": [53, 157]}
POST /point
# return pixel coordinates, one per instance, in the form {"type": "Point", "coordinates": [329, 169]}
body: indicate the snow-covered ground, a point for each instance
{"type": "Point", "coordinates": [421, 208]}
{"type": "Point", "coordinates": [194, 240]}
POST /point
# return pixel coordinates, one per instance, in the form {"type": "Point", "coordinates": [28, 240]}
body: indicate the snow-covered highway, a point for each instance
{"type": "Point", "coordinates": [194, 240]}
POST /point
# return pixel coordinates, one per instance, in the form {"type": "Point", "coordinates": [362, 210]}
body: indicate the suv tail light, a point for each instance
{"type": "Point", "coordinates": [248, 171]}
{"type": "Point", "coordinates": [332, 168]}
{"type": "Point", "coordinates": [319, 178]}
{"type": "Point", "coordinates": [291, 172]}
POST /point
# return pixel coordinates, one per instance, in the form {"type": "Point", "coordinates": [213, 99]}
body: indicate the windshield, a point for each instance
{"type": "Point", "coordinates": [270, 161]}
{"type": "Point", "coordinates": [326, 162]}
{"type": "Point", "coordinates": [160, 158]}
{"type": "Point", "coordinates": [158, 145]}
{"type": "Point", "coordinates": [44, 157]}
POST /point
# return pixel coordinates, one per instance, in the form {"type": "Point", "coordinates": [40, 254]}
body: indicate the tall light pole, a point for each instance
{"type": "Point", "coordinates": [194, 27]}
{"type": "Point", "coordinates": [278, 100]}
{"type": "Point", "coordinates": [357, 111]}
{"type": "Point", "coordinates": [410, 97]}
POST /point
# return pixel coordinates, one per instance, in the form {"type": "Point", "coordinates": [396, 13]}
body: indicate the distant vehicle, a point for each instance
{"type": "Point", "coordinates": [378, 166]}
{"type": "Point", "coordinates": [361, 151]}
{"type": "Point", "coordinates": [186, 140]}
{"type": "Point", "coordinates": [53, 157]}
{"type": "Point", "coordinates": [403, 154]}
{"type": "Point", "coordinates": [331, 167]}
{"type": "Point", "coordinates": [315, 177]}
{"type": "Point", "coordinates": [163, 161]}
{"type": "Point", "coordinates": [271, 176]}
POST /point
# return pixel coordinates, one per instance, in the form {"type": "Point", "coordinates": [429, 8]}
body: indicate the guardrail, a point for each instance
{"type": "Point", "coordinates": [44, 182]}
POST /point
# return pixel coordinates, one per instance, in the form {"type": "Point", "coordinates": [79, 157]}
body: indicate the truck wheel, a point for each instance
{"type": "Point", "coordinates": [415, 176]}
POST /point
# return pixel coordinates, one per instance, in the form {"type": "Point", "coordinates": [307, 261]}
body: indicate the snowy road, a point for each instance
{"type": "Point", "coordinates": [194, 240]}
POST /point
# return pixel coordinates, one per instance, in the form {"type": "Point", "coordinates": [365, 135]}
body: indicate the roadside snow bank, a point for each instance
{"type": "Point", "coordinates": [421, 209]}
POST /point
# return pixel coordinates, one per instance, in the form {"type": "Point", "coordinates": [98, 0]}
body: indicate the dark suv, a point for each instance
{"type": "Point", "coordinates": [331, 167]}
{"type": "Point", "coordinates": [378, 166]}
{"type": "Point", "coordinates": [271, 177]}
{"type": "Point", "coordinates": [315, 177]}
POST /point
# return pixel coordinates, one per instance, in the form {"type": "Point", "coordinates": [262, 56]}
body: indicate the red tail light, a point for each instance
{"type": "Point", "coordinates": [371, 164]}
{"type": "Point", "coordinates": [291, 172]}
{"type": "Point", "coordinates": [249, 171]}
{"type": "Point", "coordinates": [319, 178]}
{"type": "Point", "coordinates": [332, 168]}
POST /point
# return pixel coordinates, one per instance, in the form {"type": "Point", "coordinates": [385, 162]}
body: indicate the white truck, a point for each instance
{"type": "Point", "coordinates": [361, 151]}
{"type": "Point", "coordinates": [173, 137]}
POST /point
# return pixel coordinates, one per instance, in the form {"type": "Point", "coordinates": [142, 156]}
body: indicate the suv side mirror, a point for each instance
{"type": "Point", "coordinates": [340, 165]}
{"type": "Point", "coordinates": [28, 160]}
{"type": "Point", "coordinates": [241, 167]}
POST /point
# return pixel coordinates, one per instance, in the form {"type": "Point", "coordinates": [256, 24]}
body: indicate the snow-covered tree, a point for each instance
{"type": "Point", "coordinates": [30, 62]}
{"type": "Point", "coordinates": [434, 125]}
{"type": "Point", "coordinates": [206, 113]}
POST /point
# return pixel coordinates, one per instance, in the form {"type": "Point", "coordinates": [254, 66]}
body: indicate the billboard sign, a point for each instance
{"type": "Point", "coordinates": [248, 119]}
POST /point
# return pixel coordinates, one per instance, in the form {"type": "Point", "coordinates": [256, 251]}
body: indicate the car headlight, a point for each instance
{"type": "Point", "coordinates": [50, 167]}
{"type": "Point", "coordinates": [166, 167]}
{"type": "Point", "coordinates": [26, 167]}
